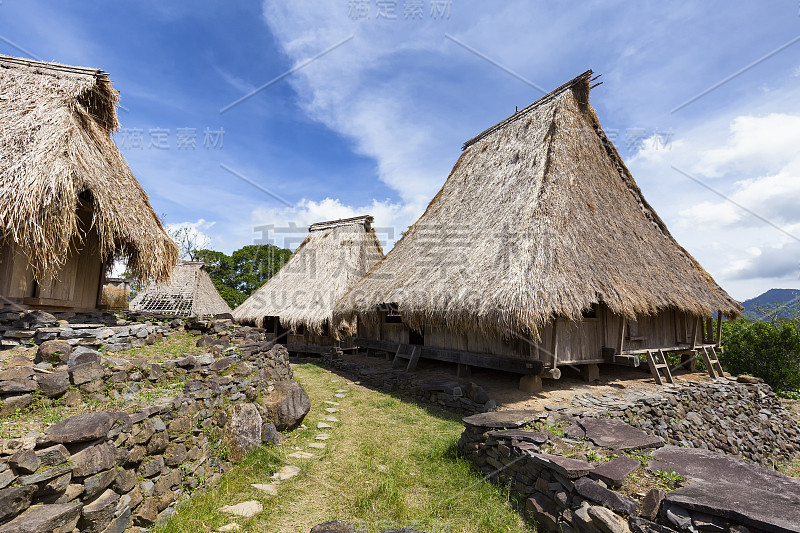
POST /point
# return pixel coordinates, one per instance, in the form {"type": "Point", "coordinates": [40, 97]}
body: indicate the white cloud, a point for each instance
{"type": "Point", "coordinates": [753, 161]}
{"type": "Point", "coordinates": [288, 226]}
{"type": "Point", "coordinates": [756, 143]}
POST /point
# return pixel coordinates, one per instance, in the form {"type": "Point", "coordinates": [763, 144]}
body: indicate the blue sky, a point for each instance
{"type": "Point", "coordinates": [375, 124]}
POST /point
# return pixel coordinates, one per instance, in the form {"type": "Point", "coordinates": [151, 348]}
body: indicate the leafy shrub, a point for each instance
{"type": "Point", "coordinates": [769, 350]}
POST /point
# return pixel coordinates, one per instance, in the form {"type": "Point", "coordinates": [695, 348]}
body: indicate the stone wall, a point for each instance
{"type": "Point", "coordinates": [744, 419]}
{"type": "Point", "coordinates": [460, 396]}
{"type": "Point", "coordinates": [105, 471]}
{"type": "Point", "coordinates": [601, 475]}
{"type": "Point", "coordinates": [87, 329]}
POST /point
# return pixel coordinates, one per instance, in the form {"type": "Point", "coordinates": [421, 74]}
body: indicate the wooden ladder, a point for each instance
{"type": "Point", "coordinates": [657, 360]}
{"type": "Point", "coordinates": [712, 363]}
{"type": "Point", "coordinates": [402, 353]}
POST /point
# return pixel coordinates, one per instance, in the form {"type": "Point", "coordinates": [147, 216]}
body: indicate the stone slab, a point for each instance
{"type": "Point", "coordinates": [592, 490]}
{"type": "Point", "coordinates": [613, 473]}
{"type": "Point", "coordinates": [732, 488]}
{"type": "Point", "coordinates": [504, 419]}
{"type": "Point", "coordinates": [244, 509]}
{"type": "Point", "coordinates": [536, 437]}
{"type": "Point", "coordinates": [79, 428]}
{"type": "Point", "coordinates": [617, 435]}
{"type": "Point", "coordinates": [569, 468]}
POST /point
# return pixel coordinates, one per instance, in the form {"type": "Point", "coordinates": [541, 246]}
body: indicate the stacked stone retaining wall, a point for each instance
{"type": "Point", "coordinates": [743, 419]}
{"type": "Point", "coordinates": [106, 471]}
{"type": "Point", "coordinates": [581, 491]}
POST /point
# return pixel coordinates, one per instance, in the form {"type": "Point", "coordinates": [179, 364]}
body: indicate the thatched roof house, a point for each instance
{"type": "Point", "coordinates": [189, 292]}
{"type": "Point", "coordinates": [69, 204]}
{"type": "Point", "coordinates": [301, 296]}
{"type": "Point", "coordinates": [539, 221]}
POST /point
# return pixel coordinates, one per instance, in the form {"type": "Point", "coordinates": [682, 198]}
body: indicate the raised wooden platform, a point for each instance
{"type": "Point", "coordinates": [482, 360]}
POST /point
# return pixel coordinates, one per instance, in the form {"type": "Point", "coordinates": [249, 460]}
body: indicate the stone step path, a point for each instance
{"type": "Point", "coordinates": [253, 507]}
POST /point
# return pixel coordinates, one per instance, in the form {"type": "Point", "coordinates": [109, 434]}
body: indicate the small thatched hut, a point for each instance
{"type": "Point", "coordinates": [538, 251]}
{"type": "Point", "coordinates": [116, 294]}
{"type": "Point", "coordinates": [296, 304]}
{"type": "Point", "coordinates": [69, 204]}
{"type": "Point", "coordinates": [189, 292]}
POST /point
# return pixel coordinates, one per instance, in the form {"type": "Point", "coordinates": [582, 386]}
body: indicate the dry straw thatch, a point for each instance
{"type": "Point", "coordinates": [56, 151]}
{"type": "Point", "coordinates": [538, 218]}
{"type": "Point", "coordinates": [333, 257]}
{"type": "Point", "coordinates": [189, 292]}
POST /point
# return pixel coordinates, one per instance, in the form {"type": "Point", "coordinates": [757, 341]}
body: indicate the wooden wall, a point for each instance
{"type": "Point", "coordinates": [576, 342]}
{"type": "Point", "coordinates": [76, 286]}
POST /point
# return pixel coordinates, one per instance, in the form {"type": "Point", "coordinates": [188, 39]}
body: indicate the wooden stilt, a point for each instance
{"type": "Point", "coordinates": [414, 359]}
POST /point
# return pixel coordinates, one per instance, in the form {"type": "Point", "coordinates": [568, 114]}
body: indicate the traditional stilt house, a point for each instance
{"type": "Point", "coordinates": [69, 204]}
{"type": "Point", "coordinates": [539, 251]}
{"type": "Point", "coordinates": [189, 292]}
{"type": "Point", "coordinates": [296, 304]}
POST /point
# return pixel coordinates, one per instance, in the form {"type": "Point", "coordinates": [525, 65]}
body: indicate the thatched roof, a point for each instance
{"type": "Point", "coordinates": [189, 292]}
{"type": "Point", "coordinates": [56, 151]}
{"type": "Point", "coordinates": [333, 257]}
{"type": "Point", "coordinates": [538, 218]}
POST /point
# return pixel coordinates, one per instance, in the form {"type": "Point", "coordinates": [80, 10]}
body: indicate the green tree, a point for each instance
{"type": "Point", "coordinates": [769, 350]}
{"type": "Point", "coordinates": [240, 274]}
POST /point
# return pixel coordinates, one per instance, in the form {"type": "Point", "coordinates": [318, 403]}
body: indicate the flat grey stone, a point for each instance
{"type": "Point", "coordinates": [79, 428]}
{"type": "Point", "coordinates": [606, 521]}
{"type": "Point", "coordinates": [96, 515]}
{"type": "Point", "coordinates": [93, 459]}
{"type": "Point", "coordinates": [614, 472]}
{"type": "Point", "coordinates": [592, 490]}
{"type": "Point", "coordinates": [569, 468]}
{"type": "Point", "coordinates": [15, 500]}
{"type": "Point", "coordinates": [536, 437]}
{"type": "Point", "coordinates": [504, 419]}
{"type": "Point", "coordinates": [41, 518]}
{"type": "Point", "coordinates": [617, 435]}
{"type": "Point", "coordinates": [641, 525]}
{"type": "Point", "coordinates": [244, 509]}
{"type": "Point", "coordinates": [765, 510]}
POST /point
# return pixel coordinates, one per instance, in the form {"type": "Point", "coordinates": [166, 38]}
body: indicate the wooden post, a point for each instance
{"type": "Point", "coordinates": [463, 371]}
{"type": "Point", "coordinates": [554, 345]}
{"type": "Point", "coordinates": [719, 328]}
{"type": "Point", "coordinates": [530, 383]}
{"type": "Point", "coordinates": [694, 331]}
{"type": "Point", "coordinates": [590, 372]}
{"type": "Point", "coordinates": [689, 362]}
{"type": "Point", "coordinates": [621, 336]}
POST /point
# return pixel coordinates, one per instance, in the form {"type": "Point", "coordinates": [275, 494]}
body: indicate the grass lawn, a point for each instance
{"type": "Point", "coordinates": [387, 464]}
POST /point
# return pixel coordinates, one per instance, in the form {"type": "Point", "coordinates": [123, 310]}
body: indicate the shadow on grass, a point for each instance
{"type": "Point", "coordinates": [434, 409]}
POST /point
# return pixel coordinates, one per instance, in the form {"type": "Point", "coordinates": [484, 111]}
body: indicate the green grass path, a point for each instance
{"type": "Point", "coordinates": [387, 464]}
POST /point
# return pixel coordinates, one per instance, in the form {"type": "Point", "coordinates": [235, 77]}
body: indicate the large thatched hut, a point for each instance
{"type": "Point", "coordinates": [189, 292]}
{"type": "Point", "coordinates": [69, 204]}
{"type": "Point", "coordinates": [539, 251]}
{"type": "Point", "coordinates": [296, 304]}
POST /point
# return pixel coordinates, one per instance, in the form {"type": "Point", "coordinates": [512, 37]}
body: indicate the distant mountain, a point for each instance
{"type": "Point", "coordinates": [775, 303]}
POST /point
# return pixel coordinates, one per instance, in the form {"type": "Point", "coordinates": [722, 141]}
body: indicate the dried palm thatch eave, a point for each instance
{"type": "Point", "coordinates": [56, 152]}
{"type": "Point", "coordinates": [539, 218]}
{"type": "Point", "coordinates": [326, 264]}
